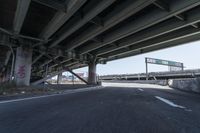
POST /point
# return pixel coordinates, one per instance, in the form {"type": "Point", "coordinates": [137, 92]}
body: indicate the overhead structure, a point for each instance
{"type": "Point", "coordinates": [69, 34]}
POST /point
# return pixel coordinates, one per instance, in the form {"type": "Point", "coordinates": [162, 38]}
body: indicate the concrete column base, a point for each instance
{"type": "Point", "coordinates": [92, 80]}
{"type": "Point", "coordinates": [22, 71]}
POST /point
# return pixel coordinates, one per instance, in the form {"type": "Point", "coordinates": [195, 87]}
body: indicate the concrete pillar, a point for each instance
{"type": "Point", "coordinates": [59, 78]}
{"type": "Point", "coordinates": [22, 71]}
{"type": "Point", "coordinates": [7, 75]}
{"type": "Point", "coordinates": [4, 78]}
{"type": "Point", "coordinates": [92, 73]}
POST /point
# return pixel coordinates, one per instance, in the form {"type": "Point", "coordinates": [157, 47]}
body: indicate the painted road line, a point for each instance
{"type": "Point", "coordinates": [140, 89]}
{"type": "Point", "coordinates": [60, 94]}
{"type": "Point", "coordinates": [170, 102]}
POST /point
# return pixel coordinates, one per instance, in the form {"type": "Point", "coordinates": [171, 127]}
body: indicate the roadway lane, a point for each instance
{"type": "Point", "coordinates": [106, 110]}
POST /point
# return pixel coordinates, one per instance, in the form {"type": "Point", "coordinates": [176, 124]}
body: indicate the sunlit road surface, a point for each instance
{"type": "Point", "coordinates": [121, 109]}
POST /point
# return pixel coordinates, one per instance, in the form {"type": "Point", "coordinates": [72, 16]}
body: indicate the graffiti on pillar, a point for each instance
{"type": "Point", "coordinates": [21, 71]}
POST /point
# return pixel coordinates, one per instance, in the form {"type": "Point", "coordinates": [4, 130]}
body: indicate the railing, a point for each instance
{"type": "Point", "coordinates": [192, 72]}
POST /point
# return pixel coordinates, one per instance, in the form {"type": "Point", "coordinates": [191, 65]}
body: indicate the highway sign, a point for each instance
{"type": "Point", "coordinates": [163, 62]}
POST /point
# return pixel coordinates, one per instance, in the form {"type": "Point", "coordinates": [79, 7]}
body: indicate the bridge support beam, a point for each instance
{"type": "Point", "coordinates": [59, 78]}
{"type": "Point", "coordinates": [5, 76]}
{"type": "Point", "coordinates": [22, 71]}
{"type": "Point", "coordinates": [92, 80]}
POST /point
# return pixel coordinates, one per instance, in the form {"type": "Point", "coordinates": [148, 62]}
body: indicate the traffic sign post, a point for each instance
{"type": "Point", "coordinates": [147, 77]}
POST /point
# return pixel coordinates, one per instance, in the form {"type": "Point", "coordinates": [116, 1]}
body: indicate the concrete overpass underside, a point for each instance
{"type": "Point", "coordinates": [47, 37]}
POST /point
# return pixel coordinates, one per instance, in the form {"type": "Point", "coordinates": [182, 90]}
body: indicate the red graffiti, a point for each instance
{"type": "Point", "coordinates": [21, 71]}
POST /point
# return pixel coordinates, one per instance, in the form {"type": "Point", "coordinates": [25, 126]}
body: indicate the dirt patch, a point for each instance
{"type": "Point", "coordinates": [10, 89]}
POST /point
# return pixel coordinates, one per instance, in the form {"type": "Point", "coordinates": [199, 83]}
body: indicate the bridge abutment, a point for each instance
{"type": "Point", "coordinates": [22, 71]}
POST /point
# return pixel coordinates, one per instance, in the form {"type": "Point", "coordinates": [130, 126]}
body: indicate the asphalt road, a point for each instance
{"type": "Point", "coordinates": [106, 110]}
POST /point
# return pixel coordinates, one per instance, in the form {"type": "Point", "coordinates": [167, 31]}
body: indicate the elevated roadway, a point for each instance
{"type": "Point", "coordinates": [52, 36]}
{"type": "Point", "coordinates": [154, 75]}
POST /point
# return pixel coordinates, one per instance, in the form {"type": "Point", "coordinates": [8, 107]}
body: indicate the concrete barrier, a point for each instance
{"type": "Point", "coordinates": [190, 85]}
{"type": "Point", "coordinates": [158, 82]}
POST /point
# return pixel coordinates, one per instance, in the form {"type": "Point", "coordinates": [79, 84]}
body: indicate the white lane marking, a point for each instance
{"type": "Point", "coordinates": [64, 93]}
{"type": "Point", "coordinates": [170, 103]}
{"type": "Point", "coordinates": [140, 89]}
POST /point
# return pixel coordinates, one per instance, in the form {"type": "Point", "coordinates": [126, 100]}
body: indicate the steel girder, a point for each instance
{"type": "Point", "coordinates": [125, 10]}
{"type": "Point", "coordinates": [173, 24]}
{"type": "Point", "coordinates": [146, 21]}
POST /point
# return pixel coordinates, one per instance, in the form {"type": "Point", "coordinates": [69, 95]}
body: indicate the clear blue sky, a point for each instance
{"type": "Point", "coordinates": [189, 54]}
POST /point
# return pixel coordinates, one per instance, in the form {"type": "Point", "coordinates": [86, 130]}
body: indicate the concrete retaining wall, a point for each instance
{"type": "Point", "coordinates": [190, 85]}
